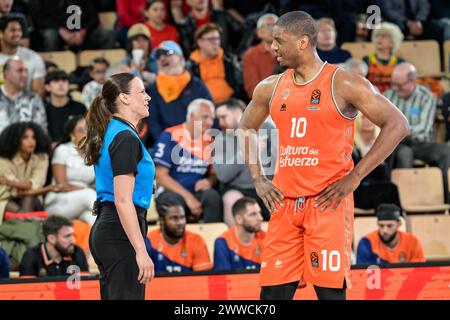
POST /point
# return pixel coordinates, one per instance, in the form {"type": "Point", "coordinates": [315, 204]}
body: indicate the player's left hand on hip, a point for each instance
{"type": "Point", "coordinates": [336, 192]}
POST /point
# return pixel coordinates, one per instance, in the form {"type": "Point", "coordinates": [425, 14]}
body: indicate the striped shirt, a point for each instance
{"type": "Point", "coordinates": [419, 108]}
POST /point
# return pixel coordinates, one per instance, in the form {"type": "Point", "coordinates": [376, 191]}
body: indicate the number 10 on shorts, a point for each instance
{"type": "Point", "coordinates": [331, 261]}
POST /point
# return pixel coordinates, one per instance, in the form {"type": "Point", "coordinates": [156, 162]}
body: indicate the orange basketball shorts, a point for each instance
{"type": "Point", "coordinates": [305, 244]}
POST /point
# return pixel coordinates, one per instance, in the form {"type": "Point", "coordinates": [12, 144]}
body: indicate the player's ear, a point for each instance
{"type": "Point", "coordinates": [303, 42]}
{"type": "Point", "coordinates": [238, 219]}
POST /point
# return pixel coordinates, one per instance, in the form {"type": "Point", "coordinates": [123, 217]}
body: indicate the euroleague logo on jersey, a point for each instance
{"type": "Point", "coordinates": [315, 96]}
{"type": "Point", "coordinates": [315, 260]}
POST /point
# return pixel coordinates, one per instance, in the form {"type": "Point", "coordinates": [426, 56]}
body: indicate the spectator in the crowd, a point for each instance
{"type": "Point", "coordinates": [173, 90]}
{"type": "Point", "coordinates": [388, 244]}
{"type": "Point", "coordinates": [440, 11]}
{"type": "Point", "coordinates": [24, 152]}
{"type": "Point", "coordinates": [260, 61]}
{"type": "Point", "coordinates": [4, 264]}
{"type": "Point", "coordinates": [10, 35]}
{"type": "Point", "coordinates": [183, 163]}
{"type": "Point", "coordinates": [357, 66]}
{"type": "Point", "coordinates": [240, 247]}
{"type": "Point", "coordinates": [129, 12]}
{"type": "Point", "coordinates": [160, 30]}
{"type": "Point", "coordinates": [418, 105]}
{"type": "Point", "coordinates": [200, 15]}
{"type": "Point", "coordinates": [139, 57]}
{"type": "Point", "coordinates": [229, 166]}
{"type": "Point", "coordinates": [326, 43]}
{"type": "Point", "coordinates": [412, 17]}
{"type": "Point", "coordinates": [171, 247]}
{"type": "Point", "coordinates": [16, 102]}
{"type": "Point", "coordinates": [76, 197]}
{"type": "Point", "coordinates": [97, 71]}
{"type": "Point", "coordinates": [376, 187]}
{"type": "Point", "coordinates": [57, 255]}
{"type": "Point", "coordinates": [59, 105]}
{"type": "Point", "coordinates": [6, 8]}
{"type": "Point", "coordinates": [51, 19]}
{"type": "Point", "coordinates": [219, 70]}
{"type": "Point", "coordinates": [387, 38]}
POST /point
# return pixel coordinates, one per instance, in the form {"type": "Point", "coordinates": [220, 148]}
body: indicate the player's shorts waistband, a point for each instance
{"type": "Point", "coordinates": [299, 202]}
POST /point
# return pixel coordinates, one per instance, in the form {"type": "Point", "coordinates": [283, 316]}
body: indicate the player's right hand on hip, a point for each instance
{"type": "Point", "coordinates": [268, 193]}
{"type": "Point", "coordinates": [146, 267]}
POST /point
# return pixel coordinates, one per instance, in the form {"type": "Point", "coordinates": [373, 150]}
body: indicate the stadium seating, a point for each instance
{"type": "Point", "coordinates": [209, 232]}
{"type": "Point", "coordinates": [359, 49]}
{"type": "Point", "coordinates": [366, 225]}
{"type": "Point", "coordinates": [420, 189]}
{"type": "Point", "coordinates": [415, 51]}
{"type": "Point", "coordinates": [76, 95]}
{"type": "Point", "coordinates": [412, 51]}
{"type": "Point", "coordinates": [447, 57]}
{"type": "Point", "coordinates": [433, 232]}
{"type": "Point", "coordinates": [152, 214]}
{"type": "Point", "coordinates": [113, 56]}
{"type": "Point", "coordinates": [66, 60]}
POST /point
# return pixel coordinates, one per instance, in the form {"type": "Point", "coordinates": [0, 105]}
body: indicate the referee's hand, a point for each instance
{"type": "Point", "coordinates": [146, 267]}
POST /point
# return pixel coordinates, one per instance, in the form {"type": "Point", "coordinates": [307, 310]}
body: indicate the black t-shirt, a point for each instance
{"type": "Point", "coordinates": [57, 117]}
{"type": "Point", "coordinates": [125, 152]}
{"type": "Point", "coordinates": [37, 262]}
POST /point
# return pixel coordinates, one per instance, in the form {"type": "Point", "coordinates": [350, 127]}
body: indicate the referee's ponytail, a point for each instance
{"type": "Point", "coordinates": [100, 113]}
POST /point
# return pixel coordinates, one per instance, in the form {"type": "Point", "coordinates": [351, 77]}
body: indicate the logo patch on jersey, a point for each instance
{"type": "Point", "coordinates": [402, 256]}
{"type": "Point", "coordinates": [315, 260]}
{"type": "Point", "coordinates": [315, 96]}
{"type": "Point", "coordinates": [283, 107]}
{"type": "Point", "coordinates": [313, 108]}
{"type": "Point", "coordinates": [278, 263]}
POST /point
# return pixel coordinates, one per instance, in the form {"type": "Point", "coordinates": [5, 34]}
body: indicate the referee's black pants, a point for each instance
{"type": "Point", "coordinates": [115, 256]}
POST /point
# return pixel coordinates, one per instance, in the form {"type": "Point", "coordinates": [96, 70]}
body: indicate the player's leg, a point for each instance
{"type": "Point", "coordinates": [283, 254]}
{"type": "Point", "coordinates": [327, 241]}
{"type": "Point", "coordinates": [279, 292]}
{"type": "Point", "coordinates": [330, 293]}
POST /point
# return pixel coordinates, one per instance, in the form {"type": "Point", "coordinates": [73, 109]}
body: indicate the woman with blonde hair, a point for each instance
{"type": "Point", "coordinates": [387, 38]}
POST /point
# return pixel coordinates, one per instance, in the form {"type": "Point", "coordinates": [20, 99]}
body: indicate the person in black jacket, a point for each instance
{"type": "Point", "coordinates": [413, 17]}
{"type": "Point", "coordinates": [57, 255]}
{"type": "Point", "coordinates": [52, 21]}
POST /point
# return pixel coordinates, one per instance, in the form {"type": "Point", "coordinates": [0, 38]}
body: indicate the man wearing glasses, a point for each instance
{"type": "Point", "coordinates": [173, 90]}
{"type": "Point", "coordinates": [418, 104]}
{"type": "Point", "coordinates": [220, 70]}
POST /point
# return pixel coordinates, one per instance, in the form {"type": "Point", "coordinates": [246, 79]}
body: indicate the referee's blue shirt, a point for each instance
{"type": "Point", "coordinates": [122, 153]}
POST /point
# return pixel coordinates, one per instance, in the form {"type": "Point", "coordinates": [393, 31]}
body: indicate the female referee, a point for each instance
{"type": "Point", "coordinates": [124, 173]}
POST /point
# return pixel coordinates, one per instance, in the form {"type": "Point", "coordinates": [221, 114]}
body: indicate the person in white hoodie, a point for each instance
{"type": "Point", "coordinates": [76, 197]}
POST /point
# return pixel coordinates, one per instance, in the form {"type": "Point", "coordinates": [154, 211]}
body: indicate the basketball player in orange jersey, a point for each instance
{"type": "Point", "coordinates": [313, 105]}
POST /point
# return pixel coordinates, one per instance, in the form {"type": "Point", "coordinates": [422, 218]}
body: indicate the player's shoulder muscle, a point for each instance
{"type": "Point", "coordinates": [351, 87]}
{"type": "Point", "coordinates": [265, 89]}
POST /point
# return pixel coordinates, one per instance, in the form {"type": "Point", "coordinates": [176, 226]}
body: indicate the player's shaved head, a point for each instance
{"type": "Point", "coordinates": [299, 23]}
